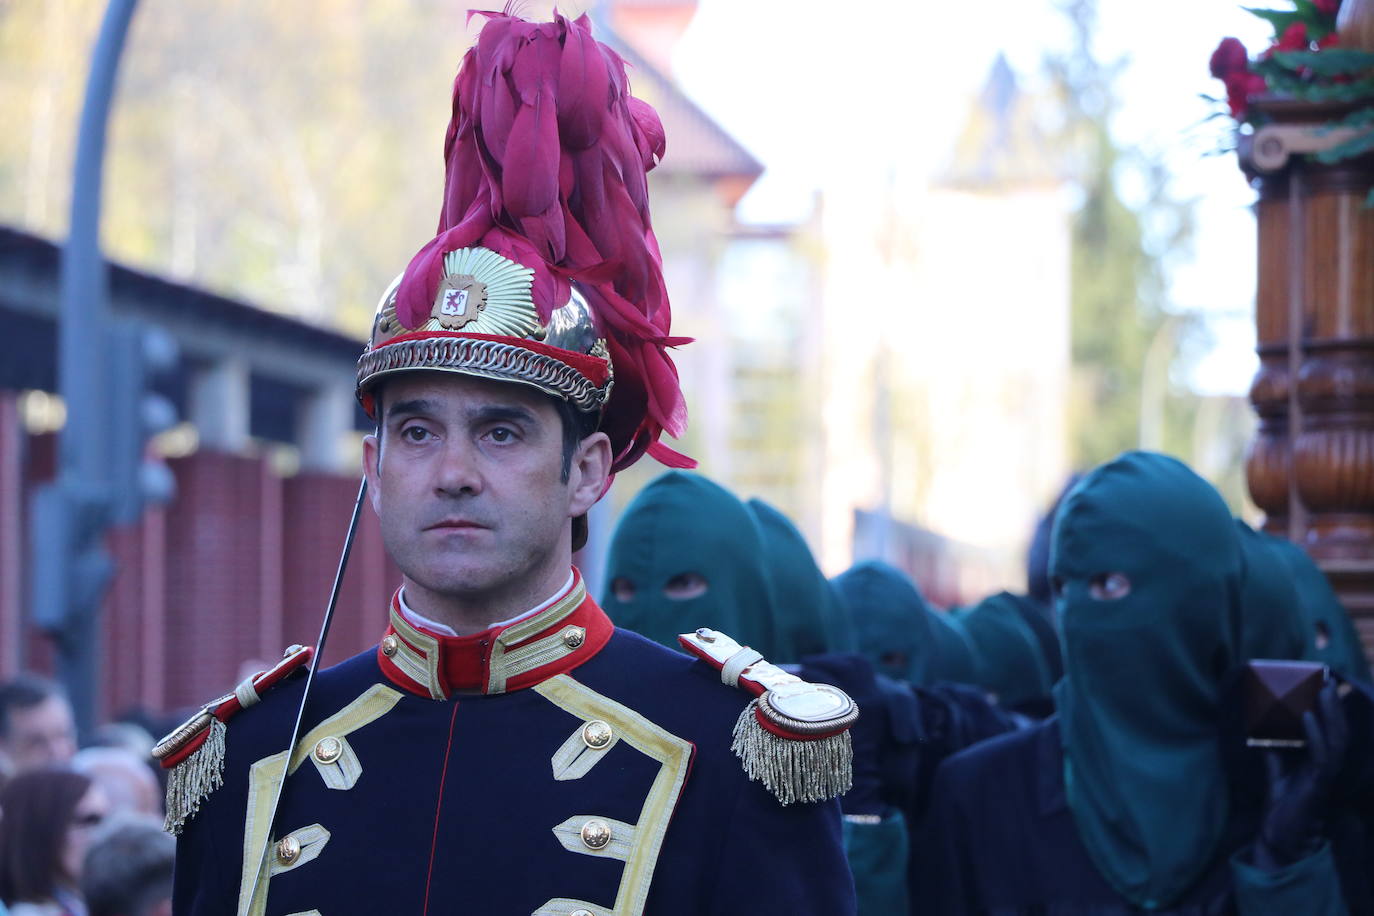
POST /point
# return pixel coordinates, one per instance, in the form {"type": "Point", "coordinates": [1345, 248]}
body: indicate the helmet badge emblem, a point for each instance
{"type": "Point", "coordinates": [461, 298]}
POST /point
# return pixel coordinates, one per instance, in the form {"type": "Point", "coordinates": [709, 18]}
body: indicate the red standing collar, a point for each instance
{"type": "Point", "coordinates": [506, 657]}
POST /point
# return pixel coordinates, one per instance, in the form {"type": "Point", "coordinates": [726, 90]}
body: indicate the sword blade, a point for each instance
{"type": "Point", "coordinates": [309, 680]}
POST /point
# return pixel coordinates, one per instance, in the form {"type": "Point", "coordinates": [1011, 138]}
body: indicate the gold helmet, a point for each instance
{"type": "Point", "coordinates": [487, 298]}
{"type": "Point", "coordinates": [545, 270]}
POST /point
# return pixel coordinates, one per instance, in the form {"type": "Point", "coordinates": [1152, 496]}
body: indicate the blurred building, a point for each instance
{"type": "Point", "coordinates": [902, 354]}
{"type": "Point", "coordinates": [749, 295]}
{"type": "Point", "coordinates": [946, 345]}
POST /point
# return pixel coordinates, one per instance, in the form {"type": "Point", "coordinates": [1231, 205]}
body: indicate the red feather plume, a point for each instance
{"type": "Point", "coordinates": [547, 155]}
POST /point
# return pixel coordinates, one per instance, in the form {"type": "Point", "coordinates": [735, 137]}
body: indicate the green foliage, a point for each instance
{"type": "Point", "coordinates": [1355, 146]}
{"type": "Point", "coordinates": [1279, 19]}
{"type": "Point", "coordinates": [1286, 84]}
{"type": "Point", "coordinates": [1305, 12]}
{"type": "Point", "coordinates": [1326, 62]}
{"type": "Point", "coordinates": [256, 149]}
{"type": "Point", "coordinates": [1363, 117]}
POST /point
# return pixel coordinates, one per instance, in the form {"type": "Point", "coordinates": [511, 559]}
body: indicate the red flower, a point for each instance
{"type": "Point", "coordinates": [1294, 38]}
{"type": "Point", "coordinates": [1328, 7]}
{"type": "Point", "coordinates": [1328, 41]}
{"type": "Point", "coordinates": [1229, 57]}
{"type": "Point", "coordinates": [1239, 87]}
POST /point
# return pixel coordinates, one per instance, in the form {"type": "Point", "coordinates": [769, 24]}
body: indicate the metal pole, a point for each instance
{"type": "Point", "coordinates": [83, 308]}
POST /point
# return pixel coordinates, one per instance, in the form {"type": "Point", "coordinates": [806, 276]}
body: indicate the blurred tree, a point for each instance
{"type": "Point", "coordinates": [1127, 346]}
{"type": "Point", "coordinates": [255, 149]}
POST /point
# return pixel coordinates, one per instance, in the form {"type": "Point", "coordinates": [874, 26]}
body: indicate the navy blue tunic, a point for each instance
{"type": "Point", "coordinates": [465, 805]}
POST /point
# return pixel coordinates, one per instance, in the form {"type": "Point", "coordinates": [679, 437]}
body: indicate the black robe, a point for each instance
{"type": "Point", "coordinates": [1000, 840]}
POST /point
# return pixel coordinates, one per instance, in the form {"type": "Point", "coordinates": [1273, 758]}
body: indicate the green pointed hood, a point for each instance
{"type": "Point", "coordinates": [1039, 618]}
{"type": "Point", "coordinates": [1006, 650]}
{"type": "Point", "coordinates": [1271, 611]}
{"type": "Point", "coordinates": [1142, 694]}
{"type": "Point", "coordinates": [812, 617]}
{"type": "Point", "coordinates": [899, 632]}
{"type": "Point", "coordinates": [1329, 635]}
{"type": "Point", "coordinates": [679, 525]}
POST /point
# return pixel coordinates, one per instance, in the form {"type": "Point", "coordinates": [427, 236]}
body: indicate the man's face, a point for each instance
{"type": "Point", "coordinates": [41, 735]}
{"type": "Point", "coordinates": [467, 482]}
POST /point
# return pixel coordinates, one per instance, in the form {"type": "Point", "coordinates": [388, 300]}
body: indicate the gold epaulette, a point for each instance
{"type": "Point", "coordinates": [194, 751]}
{"type": "Point", "coordinates": [794, 735]}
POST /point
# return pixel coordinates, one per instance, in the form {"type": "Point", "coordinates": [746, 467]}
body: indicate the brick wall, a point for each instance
{"type": "Point", "coordinates": [235, 569]}
{"type": "Point", "coordinates": [317, 509]}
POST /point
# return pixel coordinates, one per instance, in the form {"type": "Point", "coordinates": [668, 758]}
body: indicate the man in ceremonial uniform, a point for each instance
{"type": "Point", "coordinates": [504, 749]}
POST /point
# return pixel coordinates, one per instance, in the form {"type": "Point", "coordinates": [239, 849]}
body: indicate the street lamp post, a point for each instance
{"type": "Point", "coordinates": [72, 515]}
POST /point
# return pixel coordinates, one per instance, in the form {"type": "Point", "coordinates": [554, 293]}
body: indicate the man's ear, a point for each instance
{"type": "Point", "coordinates": [372, 456]}
{"type": "Point", "coordinates": [591, 465]}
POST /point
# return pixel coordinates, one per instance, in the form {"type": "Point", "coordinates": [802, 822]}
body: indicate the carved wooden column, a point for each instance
{"type": "Point", "coordinates": [1268, 467]}
{"type": "Point", "coordinates": [1311, 466]}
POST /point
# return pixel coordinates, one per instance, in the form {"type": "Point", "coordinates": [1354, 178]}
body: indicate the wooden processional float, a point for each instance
{"type": "Point", "coordinates": [1311, 465]}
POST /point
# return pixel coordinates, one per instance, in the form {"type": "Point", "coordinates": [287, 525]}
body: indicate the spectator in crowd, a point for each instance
{"type": "Point", "coordinates": [129, 870]}
{"type": "Point", "coordinates": [126, 779]}
{"type": "Point", "coordinates": [36, 724]}
{"type": "Point", "coordinates": [1137, 796]}
{"type": "Point", "coordinates": [50, 816]}
{"type": "Point", "coordinates": [131, 736]}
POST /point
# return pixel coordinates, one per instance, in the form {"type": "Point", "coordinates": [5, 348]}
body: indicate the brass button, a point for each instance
{"type": "Point", "coordinates": [580, 913]}
{"type": "Point", "coordinates": [289, 850]}
{"type": "Point", "coordinates": [597, 734]}
{"type": "Point", "coordinates": [574, 637]}
{"type": "Point", "coordinates": [596, 834]}
{"type": "Point", "coordinates": [292, 650]}
{"type": "Point", "coordinates": [328, 749]}
{"type": "Point", "coordinates": [389, 645]}
{"type": "Point", "coordinates": [706, 635]}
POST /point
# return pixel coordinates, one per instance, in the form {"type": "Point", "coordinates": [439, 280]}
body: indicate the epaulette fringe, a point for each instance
{"type": "Point", "coordinates": [793, 736]}
{"type": "Point", "coordinates": [190, 782]}
{"type": "Point", "coordinates": [193, 753]}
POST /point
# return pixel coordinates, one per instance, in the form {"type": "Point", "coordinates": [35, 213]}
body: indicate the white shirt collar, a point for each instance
{"type": "Point", "coordinates": [419, 620]}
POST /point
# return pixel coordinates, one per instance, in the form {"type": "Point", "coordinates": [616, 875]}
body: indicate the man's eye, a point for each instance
{"type": "Point", "coordinates": [501, 434]}
{"type": "Point", "coordinates": [415, 434]}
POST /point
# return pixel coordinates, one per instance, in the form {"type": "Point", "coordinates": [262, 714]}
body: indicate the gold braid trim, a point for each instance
{"type": "Point", "coordinates": [487, 358]}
